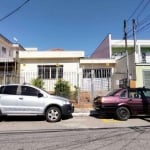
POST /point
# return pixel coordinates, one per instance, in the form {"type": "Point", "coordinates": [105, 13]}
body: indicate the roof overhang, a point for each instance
{"type": "Point", "coordinates": [97, 61]}
{"type": "Point", "coordinates": [50, 54]}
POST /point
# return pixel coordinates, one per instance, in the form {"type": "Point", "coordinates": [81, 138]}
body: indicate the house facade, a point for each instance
{"type": "Point", "coordinates": [90, 76]}
{"type": "Point", "coordinates": [9, 65]}
{"type": "Point", "coordinates": [132, 62]}
{"type": "Point", "coordinates": [108, 67]}
{"type": "Point", "coordinates": [50, 65]}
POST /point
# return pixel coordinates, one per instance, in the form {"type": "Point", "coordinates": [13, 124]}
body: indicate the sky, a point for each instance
{"type": "Point", "coordinates": [72, 24]}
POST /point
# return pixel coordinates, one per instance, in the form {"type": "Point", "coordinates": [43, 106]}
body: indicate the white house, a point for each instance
{"type": "Point", "coordinates": [50, 65]}
{"type": "Point", "coordinates": [89, 75]}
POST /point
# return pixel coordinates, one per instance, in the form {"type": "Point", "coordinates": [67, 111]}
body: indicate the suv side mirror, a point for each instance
{"type": "Point", "coordinates": [40, 95]}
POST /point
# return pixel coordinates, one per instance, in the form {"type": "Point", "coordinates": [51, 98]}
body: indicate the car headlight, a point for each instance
{"type": "Point", "coordinates": [67, 102]}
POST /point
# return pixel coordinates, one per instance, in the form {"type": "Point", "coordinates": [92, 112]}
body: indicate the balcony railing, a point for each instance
{"type": "Point", "coordinates": [6, 59]}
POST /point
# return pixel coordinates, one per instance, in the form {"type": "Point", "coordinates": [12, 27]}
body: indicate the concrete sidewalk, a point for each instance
{"type": "Point", "coordinates": [84, 112]}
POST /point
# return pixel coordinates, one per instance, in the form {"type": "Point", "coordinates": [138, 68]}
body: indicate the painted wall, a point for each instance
{"type": "Point", "coordinates": [29, 71]}
{"type": "Point", "coordinates": [103, 50]}
{"type": "Point", "coordinates": [139, 75]}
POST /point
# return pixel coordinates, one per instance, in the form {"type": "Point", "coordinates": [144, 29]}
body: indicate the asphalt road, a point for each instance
{"type": "Point", "coordinates": [36, 123]}
{"type": "Point", "coordinates": [77, 133]}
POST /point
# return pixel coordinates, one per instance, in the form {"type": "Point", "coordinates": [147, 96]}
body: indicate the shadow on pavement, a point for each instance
{"type": "Point", "coordinates": [22, 118]}
{"type": "Point", "coordinates": [100, 115]}
{"type": "Point", "coordinates": [27, 118]}
{"type": "Point", "coordinates": [145, 118]}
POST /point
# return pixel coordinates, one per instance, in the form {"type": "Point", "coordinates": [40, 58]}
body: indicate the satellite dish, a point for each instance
{"type": "Point", "coordinates": [15, 39]}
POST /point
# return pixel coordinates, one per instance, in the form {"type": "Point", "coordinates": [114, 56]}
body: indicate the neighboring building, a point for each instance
{"type": "Point", "coordinates": [9, 65]}
{"type": "Point", "coordinates": [96, 75]}
{"type": "Point", "coordinates": [50, 66]}
{"type": "Point", "coordinates": [89, 75]}
{"type": "Point", "coordinates": [135, 67]}
{"type": "Point", "coordinates": [106, 69]}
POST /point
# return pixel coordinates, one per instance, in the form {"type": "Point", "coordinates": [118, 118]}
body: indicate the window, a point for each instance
{"type": "Point", "coordinates": [143, 57]}
{"type": "Point", "coordinates": [3, 51]}
{"type": "Point", "coordinates": [124, 94]}
{"type": "Point", "coordinates": [102, 73]}
{"type": "Point", "coordinates": [9, 89]}
{"type": "Point", "coordinates": [10, 53]}
{"type": "Point", "coordinates": [29, 91]}
{"type": "Point", "coordinates": [146, 78]}
{"type": "Point", "coordinates": [133, 93]}
{"type": "Point", "coordinates": [146, 92]}
{"type": "Point", "coordinates": [98, 73]}
{"type": "Point", "coordinates": [86, 73]}
{"type": "Point", "coordinates": [50, 71]}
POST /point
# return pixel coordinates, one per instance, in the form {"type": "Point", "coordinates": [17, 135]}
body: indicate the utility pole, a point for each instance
{"type": "Point", "coordinates": [126, 46]}
{"type": "Point", "coordinates": [135, 49]}
{"type": "Point", "coordinates": [134, 34]}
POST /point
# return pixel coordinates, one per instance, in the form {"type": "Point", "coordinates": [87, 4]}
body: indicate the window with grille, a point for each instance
{"type": "Point", "coordinates": [50, 71]}
{"type": "Point", "coordinates": [146, 78]}
{"type": "Point", "coordinates": [98, 73]}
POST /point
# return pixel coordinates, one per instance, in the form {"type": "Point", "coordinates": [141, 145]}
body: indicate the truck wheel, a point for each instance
{"type": "Point", "coordinates": [53, 114]}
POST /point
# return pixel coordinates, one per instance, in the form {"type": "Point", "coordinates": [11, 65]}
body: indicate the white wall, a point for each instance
{"type": "Point", "coordinates": [29, 71]}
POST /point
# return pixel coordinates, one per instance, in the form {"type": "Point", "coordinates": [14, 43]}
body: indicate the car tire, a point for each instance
{"type": "Point", "coordinates": [53, 114]}
{"type": "Point", "coordinates": [1, 116]}
{"type": "Point", "coordinates": [123, 113]}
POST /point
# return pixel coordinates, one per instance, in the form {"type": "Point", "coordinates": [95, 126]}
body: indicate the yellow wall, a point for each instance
{"type": "Point", "coordinates": [139, 75]}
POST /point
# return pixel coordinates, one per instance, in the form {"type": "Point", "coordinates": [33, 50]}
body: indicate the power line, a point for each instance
{"type": "Point", "coordinates": [14, 11]}
{"type": "Point", "coordinates": [146, 4]}
{"type": "Point", "coordinates": [140, 4]}
{"type": "Point", "coordinates": [141, 25]}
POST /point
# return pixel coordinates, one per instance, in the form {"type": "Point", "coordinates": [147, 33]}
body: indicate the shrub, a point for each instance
{"type": "Point", "coordinates": [38, 82]}
{"type": "Point", "coordinates": [62, 88]}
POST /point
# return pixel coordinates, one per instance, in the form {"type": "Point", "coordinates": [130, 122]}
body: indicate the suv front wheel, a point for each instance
{"type": "Point", "coordinates": [53, 114]}
{"type": "Point", "coordinates": [123, 113]}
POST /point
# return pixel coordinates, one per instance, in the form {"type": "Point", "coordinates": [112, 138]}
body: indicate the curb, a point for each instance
{"type": "Point", "coordinates": [83, 114]}
{"type": "Point", "coordinates": [80, 114]}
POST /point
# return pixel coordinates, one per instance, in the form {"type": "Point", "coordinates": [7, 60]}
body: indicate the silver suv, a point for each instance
{"type": "Point", "coordinates": [25, 100]}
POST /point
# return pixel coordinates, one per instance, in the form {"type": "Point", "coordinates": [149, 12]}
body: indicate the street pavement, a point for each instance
{"type": "Point", "coordinates": [85, 118]}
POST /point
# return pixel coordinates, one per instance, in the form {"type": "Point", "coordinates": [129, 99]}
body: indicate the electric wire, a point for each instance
{"type": "Point", "coordinates": [137, 8]}
{"type": "Point", "coordinates": [144, 7]}
{"type": "Point", "coordinates": [14, 11]}
{"type": "Point", "coordinates": [140, 25]}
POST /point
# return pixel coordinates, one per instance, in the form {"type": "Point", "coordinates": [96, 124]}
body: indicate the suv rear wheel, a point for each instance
{"type": "Point", "coordinates": [0, 116]}
{"type": "Point", "coordinates": [53, 114]}
{"type": "Point", "coordinates": [123, 113]}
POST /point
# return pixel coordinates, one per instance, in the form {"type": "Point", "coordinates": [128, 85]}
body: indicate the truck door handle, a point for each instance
{"type": "Point", "coordinates": [20, 98]}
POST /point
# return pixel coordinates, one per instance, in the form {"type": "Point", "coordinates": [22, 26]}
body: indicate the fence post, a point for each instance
{"type": "Point", "coordinates": [92, 84]}
{"type": "Point", "coordinates": [78, 88]}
